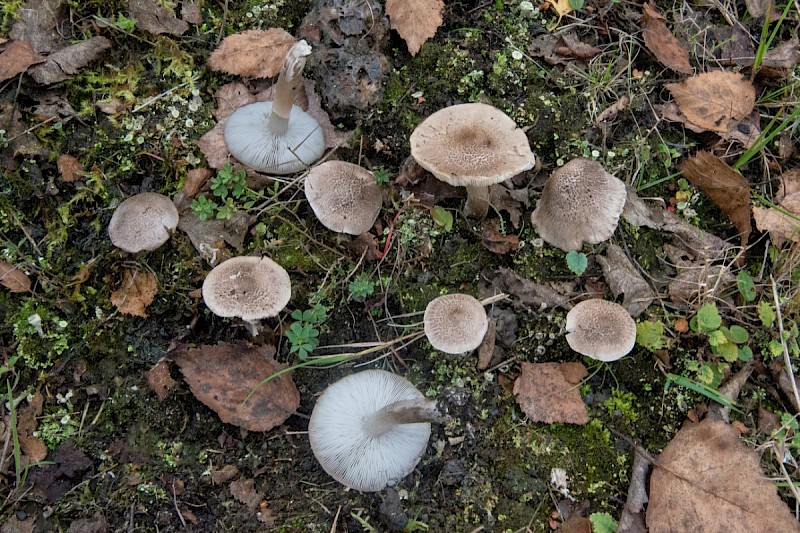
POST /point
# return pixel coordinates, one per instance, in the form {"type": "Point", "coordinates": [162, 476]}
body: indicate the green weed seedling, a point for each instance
{"type": "Point", "coordinates": [726, 342]}
{"type": "Point", "coordinates": [304, 332]}
{"type": "Point", "coordinates": [230, 194]}
{"type": "Point", "coordinates": [576, 262]}
{"type": "Point", "coordinates": [361, 287]}
{"type": "Point", "coordinates": [650, 335]}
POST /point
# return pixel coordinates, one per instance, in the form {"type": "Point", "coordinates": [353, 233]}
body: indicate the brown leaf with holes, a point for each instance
{"type": "Point", "coordinates": [666, 47]}
{"type": "Point", "coordinates": [223, 375]}
{"type": "Point", "coordinates": [69, 167]}
{"type": "Point", "coordinates": [727, 188]}
{"type": "Point", "coordinates": [154, 17]}
{"type": "Point", "coordinates": [714, 100]}
{"type": "Point", "coordinates": [707, 479]}
{"type": "Point", "coordinates": [16, 58]}
{"type": "Point", "coordinates": [415, 20]}
{"type": "Point", "coordinates": [13, 279]}
{"type": "Point", "coordinates": [252, 53]}
{"type": "Point", "coordinates": [548, 392]}
{"type": "Point", "coordinates": [137, 291]}
{"type": "Point", "coordinates": [496, 242]}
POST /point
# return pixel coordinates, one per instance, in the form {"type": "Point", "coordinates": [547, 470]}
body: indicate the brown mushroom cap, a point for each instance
{"type": "Point", "coordinates": [345, 197]}
{"type": "Point", "coordinates": [247, 287]}
{"type": "Point", "coordinates": [581, 202]}
{"type": "Point", "coordinates": [600, 329]}
{"type": "Point", "coordinates": [455, 323]}
{"type": "Point", "coordinates": [144, 221]}
{"type": "Point", "coordinates": [471, 144]}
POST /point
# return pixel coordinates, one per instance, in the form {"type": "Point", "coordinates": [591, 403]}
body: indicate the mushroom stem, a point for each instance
{"type": "Point", "coordinates": [288, 81]}
{"type": "Point", "coordinates": [415, 411]}
{"type": "Point", "coordinates": [477, 205]}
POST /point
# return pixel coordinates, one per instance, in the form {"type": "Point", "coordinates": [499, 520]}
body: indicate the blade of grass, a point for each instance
{"type": "Point", "coordinates": [705, 390]}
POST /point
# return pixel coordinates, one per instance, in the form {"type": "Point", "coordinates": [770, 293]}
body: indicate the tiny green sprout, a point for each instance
{"type": "Point", "coordinates": [204, 208]}
{"type": "Point", "coordinates": [303, 334]}
{"type": "Point", "coordinates": [650, 335]}
{"type": "Point", "coordinates": [746, 286]}
{"type": "Point", "coordinates": [124, 23]}
{"type": "Point", "coordinates": [381, 176]}
{"type": "Point", "coordinates": [766, 314]}
{"type": "Point", "coordinates": [576, 262]}
{"type": "Point", "coordinates": [361, 287]}
{"type": "Point", "coordinates": [442, 217]}
{"type": "Point", "coordinates": [603, 523]}
{"type": "Point", "coordinates": [707, 319]}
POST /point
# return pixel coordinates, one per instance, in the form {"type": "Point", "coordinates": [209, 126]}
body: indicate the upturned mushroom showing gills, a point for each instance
{"type": "Point", "coordinates": [144, 221]}
{"type": "Point", "coordinates": [600, 329]}
{"type": "Point", "coordinates": [472, 145]}
{"type": "Point", "coordinates": [247, 287]}
{"type": "Point", "coordinates": [277, 137]}
{"type": "Point", "coordinates": [455, 323]}
{"type": "Point", "coordinates": [580, 202]}
{"type": "Point", "coordinates": [370, 429]}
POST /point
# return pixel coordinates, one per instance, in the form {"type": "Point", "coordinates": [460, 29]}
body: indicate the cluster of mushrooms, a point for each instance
{"type": "Point", "coordinates": [370, 429]}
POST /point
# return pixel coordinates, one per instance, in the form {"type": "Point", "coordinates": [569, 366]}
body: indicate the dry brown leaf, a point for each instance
{"type": "Point", "coordinates": [780, 226]}
{"type": "Point", "coordinates": [252, 53]}
{"type": "Point", "coordinates": [415, 20]}
{"type": "Point", "coordinates": [547, 392]}
{"type": "Point", "coordinates": [223, 375]}
{"type": "Point", "coordinates": [527, 292]}
{"type": "Point", "coordinates": [666, 47]}
{"type": "Point", "coordinates": [209, 236]}
{"type": "Point", "coordinates": [512, 201]}
{"type": "Point", "coordinates": [13, 279]}
{"type": "Point", "coordinates": [159, 379]}
{"type": "Point", "coordinates": [137, 291]}
{"type": "Point", "coordinates": [496, 242]}
{"type": "Point", "coordinates": [15, 525]}
{"type": "Point", "coordinates": [191, 12]}
{"type": "Point", "coordinates": [34, 449]}
{"type": "Point", "coordinates": [195, 179]}
{"type": "Point", "coordinates": [714, 100]}
{"type": "Point", "coordinates": [568, 45]}
{"type": "Point", "coordinates": [224, 474]}
{"type": "Point", "coordinates": [727, 188]}
{"type": "Point", "coordinates": [16, 58]}
{"type": "Point", "coordinates": [63, 64]}
{"type": "Point", "coordinates": [154, 17]}
{"type": "Point", "coordinates": [41, 22]}
{"type": "Point", "coordinates": [244, 492]}
{"type": "Point", "coordinates": [623, 278]}
{"type": "Point", "coordinates": [708, 480]}
{"type": "Point", "coordinates": [69, 167]}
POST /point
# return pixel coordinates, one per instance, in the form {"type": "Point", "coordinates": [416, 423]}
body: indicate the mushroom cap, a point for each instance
{"type": "Point", "coordinates": [144, 221]}
{"type": "Point", "coordinates": [600, 329]}
{"type": "Point", "coordinates": [343, 445]}
{"type": "Point", "coordinates": [250, 140]}
{"type": "Point", "coordinates": [455, 323]}
{"type": "Point", "coordinates": [580, 202]}
{"type": "Point", "coordinates": [471, 144]}
{"type": "Point", "coordinates": [345, 197]}
{"type": "Point", "coordinates": [247, 287]}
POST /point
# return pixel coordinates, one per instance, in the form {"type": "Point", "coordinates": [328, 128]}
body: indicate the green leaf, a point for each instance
{"type": "Point", "coordinates": [708, 318]}
{"type": "Point", "coordinates": [744, 282]}
{"type": "Point", "coordinates": [775, 348]}
{"type": "Point", "coordinates": [766, 314]}
{"type": "Point", "coordinates": [650, 335]}
{"type": "Point", "coordinates": [576, 4]}
{"type": "Point", "coordinates": [745, 354]}
{"type": "Point", "coordinates": [297, 314]}
{"type": "Point", "coordinates": [442, 217]}
{"type": "Point", "coordinates": [735, 334]}
{"type": "Point", "coordinates": [717, 338]}
{"type": "Point", "coordinates": [726, 350]}
{"type": "Point", "coordinates": [576, 262]}
{"type": "Point", "coordinates": [603, 523]}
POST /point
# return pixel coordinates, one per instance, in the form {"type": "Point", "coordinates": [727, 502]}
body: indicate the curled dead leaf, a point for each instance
{"type": "Point", "coordinates": [496, 242]}
{"type": "Point", "coordinates": [659, 40]}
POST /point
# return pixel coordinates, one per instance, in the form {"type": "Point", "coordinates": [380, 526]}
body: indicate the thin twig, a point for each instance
{"type": "Point", "coordinates": [786, 359]}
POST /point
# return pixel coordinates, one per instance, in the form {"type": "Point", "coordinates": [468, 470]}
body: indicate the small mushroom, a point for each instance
{"type": "Point", "coordinates": [247, 287]}
{"type": "Point", "coordinates": [580, 202]}
{"type": "Point", "coordinates": [345, 197]}
{"type": "Point", "coordinates": [370, 429]}
{"type": "Point", "coordinates": [144, 221]}
{"type": "Point", "coordinates": [472, 145]}
{"type": "Point", "coordinates": [600, 329]}
{"type": "Point", "coordinates": [277, 137]}
{"type": "Point", "coordinates": [455, 323]}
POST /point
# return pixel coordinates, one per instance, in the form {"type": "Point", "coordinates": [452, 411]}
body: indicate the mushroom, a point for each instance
{"type": "Point", "coordinates": [600, 329]}
{"type": "Point", "coordinates": [144, 221]}
{"type": "Point", "coordinates": [455, 323]}
{"type": "Point", "coordinates": [345, 197]}
{"type": "Point", "coordinates": [277, 137]}
{"type": "Point", "coordinates": [472, 145]}
{"type": "Point", "coordinates": [580, 202]}
{"type": "Point", "coordinates": [369, 430]}
{"type": "Point", "coordinates": [247, 287]}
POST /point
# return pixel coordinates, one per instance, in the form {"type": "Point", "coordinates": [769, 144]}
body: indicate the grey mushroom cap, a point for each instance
{"type": "Point", "coordinates": [455, 323]}
{"type": "Point", "coordinates": [250, 140]}
{"type": "Point", "coordinates": [144, 221]}
{"type": "Point", "coordinates": [580, 202]}
{"type": "Point", "coordinates": [600, 329]}
{"type": "Point", "coordinates": [345, 197]}
{"type": "Point", "coordinates": [343, 438]}
{"type": "Point", "coordinates": [471, 144]}
{"type": "Point", "coordinates": [247, 287]}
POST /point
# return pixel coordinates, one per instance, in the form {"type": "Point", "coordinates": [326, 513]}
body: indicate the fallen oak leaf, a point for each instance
{"type": "Point", "coordinates": [415, 20]}
{"type": "Point", "coordinates": [660, 41]}
{"type": "Point", "coordinates": [252, 53]}
{"type": "Point", "coordinates": [728, 189]}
